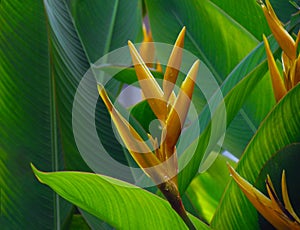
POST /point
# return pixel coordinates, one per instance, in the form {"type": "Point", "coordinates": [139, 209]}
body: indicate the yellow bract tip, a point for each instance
{"type": "Point", "coordinates": [283, 38]}
{"type": "Point", "coordinates": [149, 86]}
{"type": "Point", "coordinates": [178, 113]}
{"type": "Point", "coordinates": [173, 66]}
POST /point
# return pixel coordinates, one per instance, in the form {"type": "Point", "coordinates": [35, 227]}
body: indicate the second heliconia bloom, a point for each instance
{"type": "Point", "coordinates": [280, 215]}
{"type": "Point", "coordinates": [170, 109]}
{"type": "Point", "coordinates": [159, 161]}
{"type": "Point", "coordinates": [290, 58]}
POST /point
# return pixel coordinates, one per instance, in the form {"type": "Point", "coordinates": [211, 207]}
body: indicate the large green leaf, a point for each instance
{"type": "Point", "coordinates": [206, 189]}
{"type": "Point", "coordinates": [101, 29]}
{"type": "Point", "coordinates": [118, 203]}
{"type": "Point", "coordinates": [279, 129]}
{"type": "Point", "coordinates": [212, 34]}
{"type": "Point", "coordinates": [106, 25]}
{"type": "Point", "coordinates": [29, 130]}
{"type": "Point", "coordinates": [241, 12]}
{"type": "Point", "coordinates": [41, 64]}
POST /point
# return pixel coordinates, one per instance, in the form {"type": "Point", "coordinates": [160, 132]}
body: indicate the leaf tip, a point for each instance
{"type": "Point", "coordinates": [34, 169]}
{"type": "Point", "coordinates": [36, 172]}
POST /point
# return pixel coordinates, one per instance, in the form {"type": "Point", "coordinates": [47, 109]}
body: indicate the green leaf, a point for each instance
{"type": "Point", "coordinates": [78, 222]}
{"type": "Point", "coordinates": [212, 35]}
{"type": "Point", "coordinates": [206, 189]}
{"type": "Point", "coordinates": [28, 109]}
{"type": "Point", "coordinates": [246, 122]}
{"type": "Point", "coordinates": [279, 129]}
{"type": "Point", "coordinates": [241, 12]}
{"type": "Point", "coordinates": [118, 203]}
{"type": "Point", "coordinates": [237, 87]}
{"type": "Point", "coordinates": [101, 26]}
{"type": "Point", "coordinates": [42, 62]}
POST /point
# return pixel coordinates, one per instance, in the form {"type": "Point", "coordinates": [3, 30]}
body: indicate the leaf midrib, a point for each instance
{"type": "Point", "coordinates": [53, 121]}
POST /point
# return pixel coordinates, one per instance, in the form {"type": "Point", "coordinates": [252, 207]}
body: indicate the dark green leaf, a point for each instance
{"type": "Point", "coordinates": [212, 35]}
{"type": "Point", "coordinates": [106, 25]}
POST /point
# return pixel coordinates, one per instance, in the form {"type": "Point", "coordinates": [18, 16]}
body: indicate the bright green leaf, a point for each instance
{"type": "Point", "coordinates": [206, 189]}
{"type": "Point", "coordinates": [120, 204]}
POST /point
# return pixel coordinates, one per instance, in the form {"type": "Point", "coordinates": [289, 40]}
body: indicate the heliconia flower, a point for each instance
{"type": "Point", "coordinates": [172, 119]}
{"type": "Point", "coordinates": [281, 216]}
{"type": "Point", "coordinates": [285, 40]}
{"type": "Point", "coordinates": [171, 111]}
{"type": "Point", "coordinates": [290, 61]}
{"type": "Point", "coordinates": [160, 163]}
{"type": "Point", "coordinates": [137, 147]}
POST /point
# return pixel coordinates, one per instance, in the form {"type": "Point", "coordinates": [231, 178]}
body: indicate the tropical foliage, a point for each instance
{"type": "Point", "coordinates": [251, 50]}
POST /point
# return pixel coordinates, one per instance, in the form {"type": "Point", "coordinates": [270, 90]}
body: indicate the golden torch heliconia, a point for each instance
{"type": "Point", "coordinates": [159, 161]}
{"type": "Point", "coordinates": [289, 57]}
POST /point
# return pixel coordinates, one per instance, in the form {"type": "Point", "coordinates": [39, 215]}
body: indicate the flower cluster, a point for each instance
{"type": "Point", "coordinates": [290, 60]}
{"type": "Point", "coordinates": [159, 160]}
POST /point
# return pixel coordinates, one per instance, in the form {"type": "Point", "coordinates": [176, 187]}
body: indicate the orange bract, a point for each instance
{"type": "Point", "coordinates": [290, 62]}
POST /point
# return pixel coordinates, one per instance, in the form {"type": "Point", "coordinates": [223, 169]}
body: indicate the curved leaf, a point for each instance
{"type": "Point", "coordinates": [206, 189]}
{"type": "Point", "coordinates": [237, 87]}
{"type": "Point", "coordinates": [235, 212]}
{"type": "Point", "coordinates": [241, 11]}
{"type": "Point", "coordinates": [100, 24]}
{"type": "Point", "coordinates": [29, 130]}
{"type": "Point", "coordinates": [42, 63]}
{"type": "Point", "coordinates": [225, 42]}
{"type": "Point", "coordinates": [120, 204]}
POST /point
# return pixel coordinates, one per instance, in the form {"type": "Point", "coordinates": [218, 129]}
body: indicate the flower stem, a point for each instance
{"type": "Point", "coordinates": [170, 191]}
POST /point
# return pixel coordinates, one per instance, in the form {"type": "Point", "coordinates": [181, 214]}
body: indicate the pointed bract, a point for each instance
{"type": "Point", "coordinates": [286, 198]}
{"type": "Point", "coordinates": [149, 86]}
{"type": "Point", "coordinates": [173, 66]}
{"type": "Point", "coordinates": [178, 113]}
{"type": "Point", "coordinates": [277, 83]}
{"type": "Point", "coordinates": [137, 147]}
{"type": "Point", "coordinates": [284, 39]}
